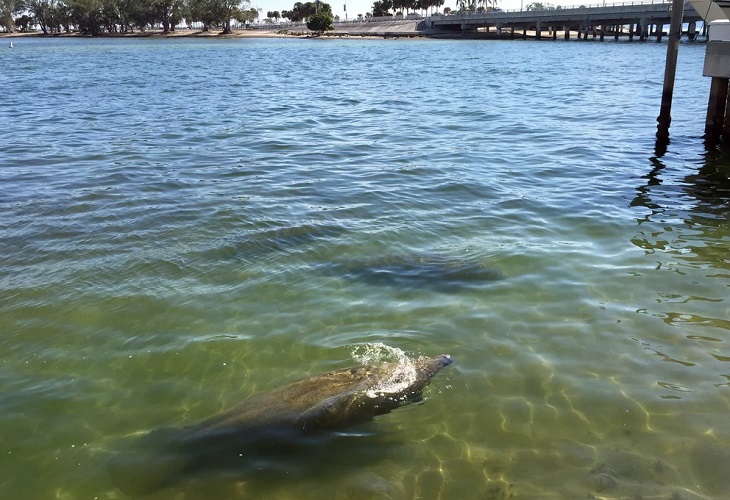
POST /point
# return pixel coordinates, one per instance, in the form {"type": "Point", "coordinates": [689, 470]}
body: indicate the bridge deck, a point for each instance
{"type": "Point", "coordinates": [644, 14]}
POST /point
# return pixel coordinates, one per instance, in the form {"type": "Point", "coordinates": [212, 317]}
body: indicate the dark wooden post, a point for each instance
{"type": "Point", "coordinates": [716, 108]}
{"type": "Point", "coordinates": [675, 32]}
{"type": "Point", "coordinates": [726, 122]}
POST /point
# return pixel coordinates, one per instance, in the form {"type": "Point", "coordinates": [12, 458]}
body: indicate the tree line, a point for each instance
{"type": "Point", "coordinates": [382, 8]}
{"type": "Point", "coordinates": [95, 17]}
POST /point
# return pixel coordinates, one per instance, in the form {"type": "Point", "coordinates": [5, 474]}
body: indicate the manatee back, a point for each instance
{"type": "Point", "coordinates": [285, 405]}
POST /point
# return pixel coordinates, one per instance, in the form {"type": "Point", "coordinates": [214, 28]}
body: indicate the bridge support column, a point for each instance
{"type": "Point", "coordinates": [631, 32]}
{"type": "Point", "coordinates": [659, 32]}
{"type": "Point", "coordinates": [555, 32]}
{"type": "Point", "coordinates": [566, 30]}
{"type": "Point", "coordinates": [692, 30]}
{"type": "Point", "coordinates": [524, 33]}
{"type": "Point", "coordinates": [538, 30]}
{"type": "Point", "coordinates": [616, 32]}
{"type": "Point", "coordinates": [603, 30]}
{"type": "Point", "coordinates": [512, 33]}
{"type": "Point", "coordinates": [499, 28]}
{"type": "Point", "coordinates": [644, 27]}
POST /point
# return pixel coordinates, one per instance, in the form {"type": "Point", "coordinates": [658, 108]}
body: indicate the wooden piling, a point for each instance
{"type": "Point", "coordinates": [716, 106]}
{"type": "Point", "coordinates": [670, 70]}
{"type": "Point", "coordinates": [726, 122]}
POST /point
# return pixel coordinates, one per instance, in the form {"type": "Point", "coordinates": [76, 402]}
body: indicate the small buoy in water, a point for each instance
{"type": "Point", "coordinates": [11, 45]}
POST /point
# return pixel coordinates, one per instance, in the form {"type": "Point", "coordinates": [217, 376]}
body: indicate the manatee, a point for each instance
{"type": "Point", "coordinates": [267, 425]}
{"type": "Point", "coordinates": [414, 270]}
{"type": "Point", "coordinates": [254, 245]}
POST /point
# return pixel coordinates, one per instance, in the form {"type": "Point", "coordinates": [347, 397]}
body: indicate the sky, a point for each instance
{"type": "Point", "coordinates": [355, 7]}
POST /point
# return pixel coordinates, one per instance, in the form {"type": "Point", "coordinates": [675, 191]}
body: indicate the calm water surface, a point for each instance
{"type": "Point", "coordinates": [186, 223]}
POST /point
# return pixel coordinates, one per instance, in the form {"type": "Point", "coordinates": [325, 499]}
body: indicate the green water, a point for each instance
{"type": "Point", "coordinates": [188, 223]}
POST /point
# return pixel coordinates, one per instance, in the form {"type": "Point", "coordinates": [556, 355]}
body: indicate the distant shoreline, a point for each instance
{"type": "Point", "coordinates": [253, 33]}
{"type": "Point", "coordinates": [267, 33]}
{"type": "Point", "coordinates": [371, 30]}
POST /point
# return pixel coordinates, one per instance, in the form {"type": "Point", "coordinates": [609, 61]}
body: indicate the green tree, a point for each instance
{"type": "Point", "coordinates": [203, 11]}
{"type": "Point", "coordinates": [24, 22]}
{"type": "Point", "coordinates": [381, 8]}
{"type": "Point", "coordinates": [135, 14]}
{"type": "Point", "coordinates": [221, 13]}
{"type": "Point", "coordinates": [429, 4]}
{"type": "Point", "coordinates": [43, 13]}
{"type": "Point", "coordinates": [230, 10]}
{"type": "Point", "coordinates": [8, 9]}
{"type": "Point", "coordinates": [302, 11]}
{"type": "Point", "coordinates": [87, 16]}
{"type": "Point", "coordinates": [249, 16]}
{"type": "Point", "coordinates": [169, 13]}
{"type": "Point", "coordinates": [399, 5]}
{"type": "Point", "coordinates": [320, 22]}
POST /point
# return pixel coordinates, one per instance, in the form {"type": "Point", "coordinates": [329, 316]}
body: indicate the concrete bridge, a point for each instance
{"type": "Point", "coordinates": [631, 19]}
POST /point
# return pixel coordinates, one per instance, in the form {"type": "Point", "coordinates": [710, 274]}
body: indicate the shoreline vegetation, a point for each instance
{"type": "Point", "coordinates": [181, 33]}
{"type": "Point", "coordinates": [390, 31]}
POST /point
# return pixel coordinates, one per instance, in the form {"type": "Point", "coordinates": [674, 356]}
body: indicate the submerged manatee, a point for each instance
{"type": "Point", "coordinates": [271, 423]}
{"type": "Point", "coordinates": [436, 271]}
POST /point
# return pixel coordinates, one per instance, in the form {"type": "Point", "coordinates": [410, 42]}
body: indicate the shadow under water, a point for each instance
{"type": "Point", "coordinates": [262, 242]}
{"type": "Point", "coordinates": [434, 271]}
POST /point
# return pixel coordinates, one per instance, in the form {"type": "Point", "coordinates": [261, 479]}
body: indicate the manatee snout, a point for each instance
{"type": "Point", "coordinates": [428, 367]}
{"type": "Point", "coordinates": [444, 359]}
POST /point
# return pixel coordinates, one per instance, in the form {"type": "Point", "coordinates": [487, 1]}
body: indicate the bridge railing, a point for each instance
{"type": "Point", "coordinates": [467, 14]}
{"type": "Point", "coordinates": [662, 5]}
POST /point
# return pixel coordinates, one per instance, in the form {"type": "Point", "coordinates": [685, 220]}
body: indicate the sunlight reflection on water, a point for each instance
{"type": "Point", "coordinates": [190, 241]}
